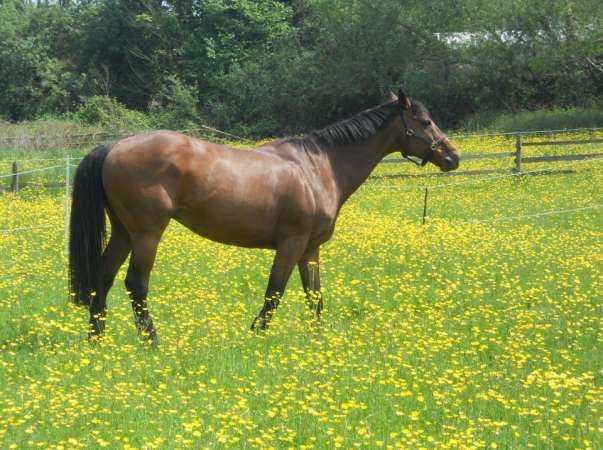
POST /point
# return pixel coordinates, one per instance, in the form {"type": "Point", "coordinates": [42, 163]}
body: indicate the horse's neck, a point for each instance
{"type": "Point", "coordinates": [352, 164]}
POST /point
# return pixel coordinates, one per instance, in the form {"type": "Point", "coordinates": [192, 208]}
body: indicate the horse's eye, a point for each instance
{"type": "Point", "coordinates": [425, 122]}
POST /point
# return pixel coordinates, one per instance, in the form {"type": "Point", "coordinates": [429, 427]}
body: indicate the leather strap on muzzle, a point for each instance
{"type": "Point", "coordinates": [433, 145]}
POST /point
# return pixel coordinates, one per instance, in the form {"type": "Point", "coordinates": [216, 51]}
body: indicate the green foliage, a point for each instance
{"type": "Point", "coordinates": [22, 60]}
{"type": "Point", "coordinates": [175, 106]}
{"type": "Point", "coordinates": [109, 114]}
{"type": "Point", "coordinates": [555, 119]}
{"type": "Point", "coordinates": [267, 67]}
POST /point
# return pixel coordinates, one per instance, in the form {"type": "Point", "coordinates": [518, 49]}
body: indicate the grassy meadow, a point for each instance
{"type": "Point", "coordinates": [464, 333]}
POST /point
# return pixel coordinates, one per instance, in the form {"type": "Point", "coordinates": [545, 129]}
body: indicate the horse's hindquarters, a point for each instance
{"type": "Point", "coordinates": [239, 197]}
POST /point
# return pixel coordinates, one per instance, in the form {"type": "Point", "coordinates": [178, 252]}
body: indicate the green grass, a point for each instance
{"type": "Point", "coordinates": [543, 119]}
{"type": "Point", "coordinates": [449, 335]}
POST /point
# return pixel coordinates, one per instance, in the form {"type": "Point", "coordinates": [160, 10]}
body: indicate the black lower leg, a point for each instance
{"type": "Point", "coordinates": [314, 301]}
{"type": "Point", "coordinates": [309, 270]}
{"type": "Point", "coordinates": [97, 325]}
{"type": "Point", "coordinates": [319, 305]}
{"type": "Point", "coordinates": [142, 318]}
{"type": "Point", "coordinates": [113, 257]}
{"type": "Point", "coordinates": [98, 314]}
{"type": "Point", "coordinates": [144, 249]}
{"type": "Point", "coordinates": [287, 256]}
{"type": "Point", "coordinates": [137, 288]}
{"type": "Point", "coordinates": [268, 310]}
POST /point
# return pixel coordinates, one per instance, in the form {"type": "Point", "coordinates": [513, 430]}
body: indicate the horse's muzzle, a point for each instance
{"type": "Point", "coordinates": [449, 162]}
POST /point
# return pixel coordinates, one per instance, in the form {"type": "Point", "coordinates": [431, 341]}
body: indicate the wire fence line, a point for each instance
{"type": "Point", "coordinates": [215, 130]}
{"type": "Point", "coordinates": [378, 186]}
{"type": "Point", "coordinates": [25, 172]}
{"type": "Point", "coordinates": [35, 227]}
{"type": "Point", "coordinates": [350, 229]}
{"type": "Point", "coordinates": [479, 180]}
{"type": "Point", "coordinates": [91, 138]}
{"type": "Point", "coordinates": [420, 186]}
{"type": "Point", "coordinates": [516, 174]}
{"type": "Point", "coordinates": [36, 159]}
{"type": "Point", "coordinates": [119, 134]}
{"type": "Point", "coordinates": [531, 216]}
{"type": "Point", "coordinates": [78, 159]}
{"type": "Point", "coordinates": [48, 141]}
{"type": "Point", "coordinates": [63, 136]}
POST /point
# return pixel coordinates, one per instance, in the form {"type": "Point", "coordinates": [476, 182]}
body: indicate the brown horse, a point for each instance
{"type": "Point", "coordinates": [285, 196]}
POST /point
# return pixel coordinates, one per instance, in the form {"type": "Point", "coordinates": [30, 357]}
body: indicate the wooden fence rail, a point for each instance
{"type": "Point", "coordinates": [588, 141]}
{"type": "Point", "coordinates": [517, 155]}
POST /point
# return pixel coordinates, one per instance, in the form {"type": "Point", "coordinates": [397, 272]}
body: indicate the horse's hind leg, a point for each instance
{"type": "Point", "coordinates": [113, 257]}
{"type": "Point", "coordinates": [144, 250]}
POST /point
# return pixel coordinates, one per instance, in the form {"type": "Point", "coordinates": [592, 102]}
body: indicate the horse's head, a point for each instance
{"type": "Point", "coordinates": [420, 140]}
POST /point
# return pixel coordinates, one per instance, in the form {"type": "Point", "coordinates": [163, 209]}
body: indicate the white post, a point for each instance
{"type": "Point", "coordinates": [67, 173]}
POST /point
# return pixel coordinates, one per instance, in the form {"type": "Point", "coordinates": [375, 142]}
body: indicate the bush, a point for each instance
{"type": "Point", "coordinates": [174, 106]}
{"type": "Point", "coordinates": [108, 114]}
{"type": "Point", "coordinates": [553, 119]}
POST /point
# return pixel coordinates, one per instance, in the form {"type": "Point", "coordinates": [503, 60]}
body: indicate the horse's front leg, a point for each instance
{"type": "Point", "coordinates": [309, 270]}
{"type": "Point", "coordinates": [288, 254]}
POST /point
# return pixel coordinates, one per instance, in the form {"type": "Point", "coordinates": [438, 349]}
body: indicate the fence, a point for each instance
{"type": "Point", "coordinates": [518, 155]}
{"type": "Point", "coordinates": [14, 187]}
{"type": "Point", "coordinates": [82, 140]}
{"type": "Point", "coordinates": [13, 182]}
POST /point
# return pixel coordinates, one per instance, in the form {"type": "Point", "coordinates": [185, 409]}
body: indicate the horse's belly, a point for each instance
{"type": "Point", "coordinates": [249, 202]}
{"type": "Point", "coordinates": [245, 227]}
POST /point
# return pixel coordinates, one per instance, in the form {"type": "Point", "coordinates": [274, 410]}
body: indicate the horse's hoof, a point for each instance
{"type": "Point", "coordinates": [148, 337]}
{"type": "Point", "coordinates": [94, 338]}
{"type": "Point", "coordinates": [96, 328]}
{"type": "Point", "coordinates": [259, 324]}
{"type": "Point", "coordinates": [149, 342]}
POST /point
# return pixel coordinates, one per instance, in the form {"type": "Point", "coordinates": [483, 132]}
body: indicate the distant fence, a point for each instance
{"type": "Point", "coordinates": [518, 156]}
{"type": "Point", "coordinates": [50, 141]}
{"type": "Point", "coordinates": [83, 140]}
{"type": "Point", "coordinates": [12, 181]}
{"type": "Point", "coordinates": [15, 184]}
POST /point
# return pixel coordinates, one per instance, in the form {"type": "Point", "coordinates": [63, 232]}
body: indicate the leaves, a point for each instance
{"type": "Point", "coordinates": [269, 67]}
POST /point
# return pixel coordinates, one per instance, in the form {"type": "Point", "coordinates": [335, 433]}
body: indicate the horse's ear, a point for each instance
{"type": "Point", "coordinates": [403, 100]}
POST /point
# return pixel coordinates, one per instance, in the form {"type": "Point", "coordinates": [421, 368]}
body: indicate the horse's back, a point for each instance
{"type": "Point", "coordinates": [234, 196]}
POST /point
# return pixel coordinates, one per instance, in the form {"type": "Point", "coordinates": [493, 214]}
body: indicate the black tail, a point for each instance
{"type": "Point", "coordinates": [87, 227]}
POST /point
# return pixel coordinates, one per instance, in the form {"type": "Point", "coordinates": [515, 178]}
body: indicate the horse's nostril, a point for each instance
{"type": "Point", "coordinates": [452, 161]}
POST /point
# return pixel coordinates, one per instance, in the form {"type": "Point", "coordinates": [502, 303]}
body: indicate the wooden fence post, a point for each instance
{"type": "Point", "coordinates": [518, 146]}
{"type": "Point", "coordinates": [67, 191]}
{"type": "Point", "coordinates": [425, 206]}
{"type": "Point", "coordinates": [14, 180]}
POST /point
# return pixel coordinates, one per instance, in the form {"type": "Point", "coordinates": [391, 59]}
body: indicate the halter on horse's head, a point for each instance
{"type": "Point", "coordinates": [421, 141]}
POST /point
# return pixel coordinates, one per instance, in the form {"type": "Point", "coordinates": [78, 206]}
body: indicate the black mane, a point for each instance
{"type": "Point", "coordinates": [349, 131]}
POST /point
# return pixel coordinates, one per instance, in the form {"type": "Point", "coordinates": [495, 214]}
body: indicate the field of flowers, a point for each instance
{"type": "Point", "coordinates": [479, 330]}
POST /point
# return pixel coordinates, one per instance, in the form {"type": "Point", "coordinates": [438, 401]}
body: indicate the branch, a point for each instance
{"type": "Point", "coordinates": [596, 65]}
